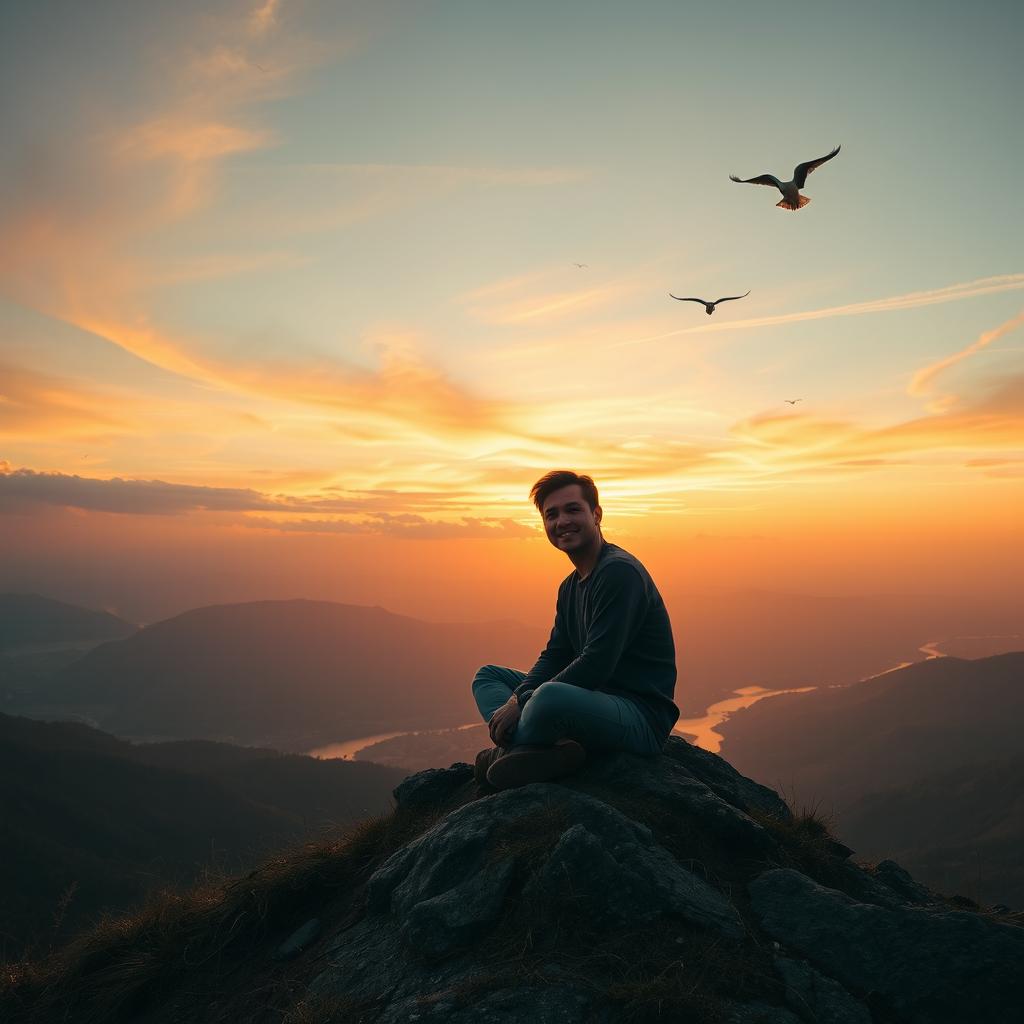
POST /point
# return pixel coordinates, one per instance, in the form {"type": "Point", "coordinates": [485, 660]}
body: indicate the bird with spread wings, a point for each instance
{"type": "Point", "coordinates": [791, 198]}
{"type": "Point", "coordinates": [709, 307]}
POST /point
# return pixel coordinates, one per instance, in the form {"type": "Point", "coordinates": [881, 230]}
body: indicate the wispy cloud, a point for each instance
{"type": "Point", "coordinates": [38, 405]}
{"type": "Point", "coordinates": [553, 293]}
{"type": "Point", "coordinates": [191, 144]}
{"type": "Point", "coordinates": [74, 212]}
{"type": "Point", "coordinates": [264, 16]}
{"type": "Point", "coordinates": [921, 382]}
{"type": "Point", "coordinates": [405, 397]}
{"type": "Point", "coordinates": [775, 445]}
{"type": "Point", "coordinates": [548, 305]}
{"type": "Point", "coordinates": [911, 300]}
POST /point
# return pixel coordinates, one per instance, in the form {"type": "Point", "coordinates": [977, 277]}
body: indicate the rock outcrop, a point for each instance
{"type": "Point", "coordinates": [652, 889]}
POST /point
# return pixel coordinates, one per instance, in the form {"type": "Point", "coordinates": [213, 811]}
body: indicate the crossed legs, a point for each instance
{"type": "Point", "coordinates": [557, 711]}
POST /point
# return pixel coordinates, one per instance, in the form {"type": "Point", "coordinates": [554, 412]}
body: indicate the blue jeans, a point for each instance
{"type": "Point", "coordinates": [600, 721]}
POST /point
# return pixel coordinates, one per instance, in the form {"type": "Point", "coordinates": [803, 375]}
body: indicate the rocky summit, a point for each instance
{"type": "Point", "coordinates": [654, 889]}
{"type": "Point", "coordinates": [639, 889]}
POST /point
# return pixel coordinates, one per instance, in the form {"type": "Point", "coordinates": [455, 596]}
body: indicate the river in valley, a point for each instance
{"type": "Point", "coordinates": [703, 731]}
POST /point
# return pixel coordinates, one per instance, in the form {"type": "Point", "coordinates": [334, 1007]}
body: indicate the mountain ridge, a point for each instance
{"type": "Point", "coordinates": [917, 740]}
{"type": "Point", "coordinates": [91, 822]}
{"type": "Point", "coordinates": [27, 619]}
{"type": "Point", "coordinates": [292, 674]}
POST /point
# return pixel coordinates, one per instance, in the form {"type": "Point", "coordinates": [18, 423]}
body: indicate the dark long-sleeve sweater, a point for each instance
{"type": "Point", "coordinates": [612, 633]}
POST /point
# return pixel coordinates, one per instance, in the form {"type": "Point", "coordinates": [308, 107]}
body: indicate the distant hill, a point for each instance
{"type": "Point", "coordinates": [97, 822]}
{"type": "Point", "coordinates": [28, 620]}
{"type": "Point", "coordinates": [962, 829]}
{"type": "Point", "coordinates": [291, 674]}
{"type": "Point", "coordinates": [783, 640]}
{"type": "Point", "coordinates": [920, 760]}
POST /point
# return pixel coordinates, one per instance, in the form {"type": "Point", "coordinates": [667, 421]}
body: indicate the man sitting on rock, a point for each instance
{"type": "Point", "coordinates": [606, 678]}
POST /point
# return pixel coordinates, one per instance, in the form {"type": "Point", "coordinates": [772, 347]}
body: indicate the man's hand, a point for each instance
{"type": "Point", "coordinates": [504, 721]}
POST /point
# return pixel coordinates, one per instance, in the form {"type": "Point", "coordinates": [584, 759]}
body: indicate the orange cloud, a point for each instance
{"type": "Point", "coordinates": [34, 405]}
{"type": "Point", "coordinates": [406, 397]}
{"type": "Point", "coordinates": [189, 140]}
{"type": "Point", "coordinates": [780, 444]}
{"type": "Point", "coordinates": [263, 18]}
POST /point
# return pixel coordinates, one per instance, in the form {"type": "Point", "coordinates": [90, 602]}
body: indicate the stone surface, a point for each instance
{"type": "Point", "coordinates": [673, 784]}
{"type": "Point", "coordinates": [298, 940]}
{"type": "Point", "coordinates": [720, 776]}
{"type": "Point", "coordinates": [539, 1005]}
{"type": "Point", "coordinates": [432, 787]}
{"type": "Point", "coordinates": [899, 880]}
{"type": "Point", "coordinates": [944, 967]}
{"type": "Point", "coordinates": [818, 998]}
{"type": "Point", "coordinates": [618, 879]}
{"type": "Point", "coordinates": [760, 1013]}
{"type": "Point", "coordinates": [458, 917]}
{"type": "Point", "coordinates": [607, 864]}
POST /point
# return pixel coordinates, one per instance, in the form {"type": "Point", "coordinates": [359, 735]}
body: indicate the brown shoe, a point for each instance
{"type": "Point", "coordinates": [522, 765]}
{"type": "Point", "coordinates": [484, 760]}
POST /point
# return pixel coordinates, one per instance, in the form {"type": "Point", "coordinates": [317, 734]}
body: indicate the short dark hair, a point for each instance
{"type": "Point", "coordinates": [556, 480]}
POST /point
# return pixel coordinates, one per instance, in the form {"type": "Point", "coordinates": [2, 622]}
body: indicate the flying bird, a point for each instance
{"type": "Point", "coordinates": [581, 265]}
{"type": "Point", "coordinates": [709, 307]}
{"type": "Point", "coordinates": [793, 401]}
{"type": "Point", "coordinates": [791, 198]}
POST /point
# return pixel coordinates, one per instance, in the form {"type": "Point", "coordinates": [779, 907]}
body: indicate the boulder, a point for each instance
{"type": "Point", "coordinates": [674, 785]}
{"type": "Point", "coordinates": [433, 787]}
{"type": "Point", "coordinates": [628, 881]}
{"type": "Point", "coordinates": [934, 965]}
{"type": "Point", "coordinates": [818, 998]}
{"type": "Point", "coordinates": [899, 880]}
{"type": "Point", "coordinates": [606, 865]}
{"type": "Point", "coordinates": [720, 776]}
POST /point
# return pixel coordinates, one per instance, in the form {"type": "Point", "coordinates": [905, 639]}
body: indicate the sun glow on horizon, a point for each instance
{"type": "Point", "coordinates": [320, 277]}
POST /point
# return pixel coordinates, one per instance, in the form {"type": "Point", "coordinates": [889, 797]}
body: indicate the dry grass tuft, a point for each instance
{"type": "Point", "coordinates": [807, 844]}
{"type": "Point", "coordinates": [331, 1010]}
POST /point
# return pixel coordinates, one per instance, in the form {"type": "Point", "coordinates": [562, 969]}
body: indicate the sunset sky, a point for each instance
{"type": "Point", "coordinates": [289, 303]}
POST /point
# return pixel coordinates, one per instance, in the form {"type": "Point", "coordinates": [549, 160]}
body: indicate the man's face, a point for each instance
{"type": "Point", "coordinates": [569, 522]}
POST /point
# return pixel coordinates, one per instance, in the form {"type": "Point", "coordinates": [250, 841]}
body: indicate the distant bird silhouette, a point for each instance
{"type": "Point", "coordinates": [793, 401]}
{"type": "Point", "coordinates": [581, 265]}
{"type": "Point", "coordinates": [709, 307]}
{"type": "Point", "coordinates": [791, 198]}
